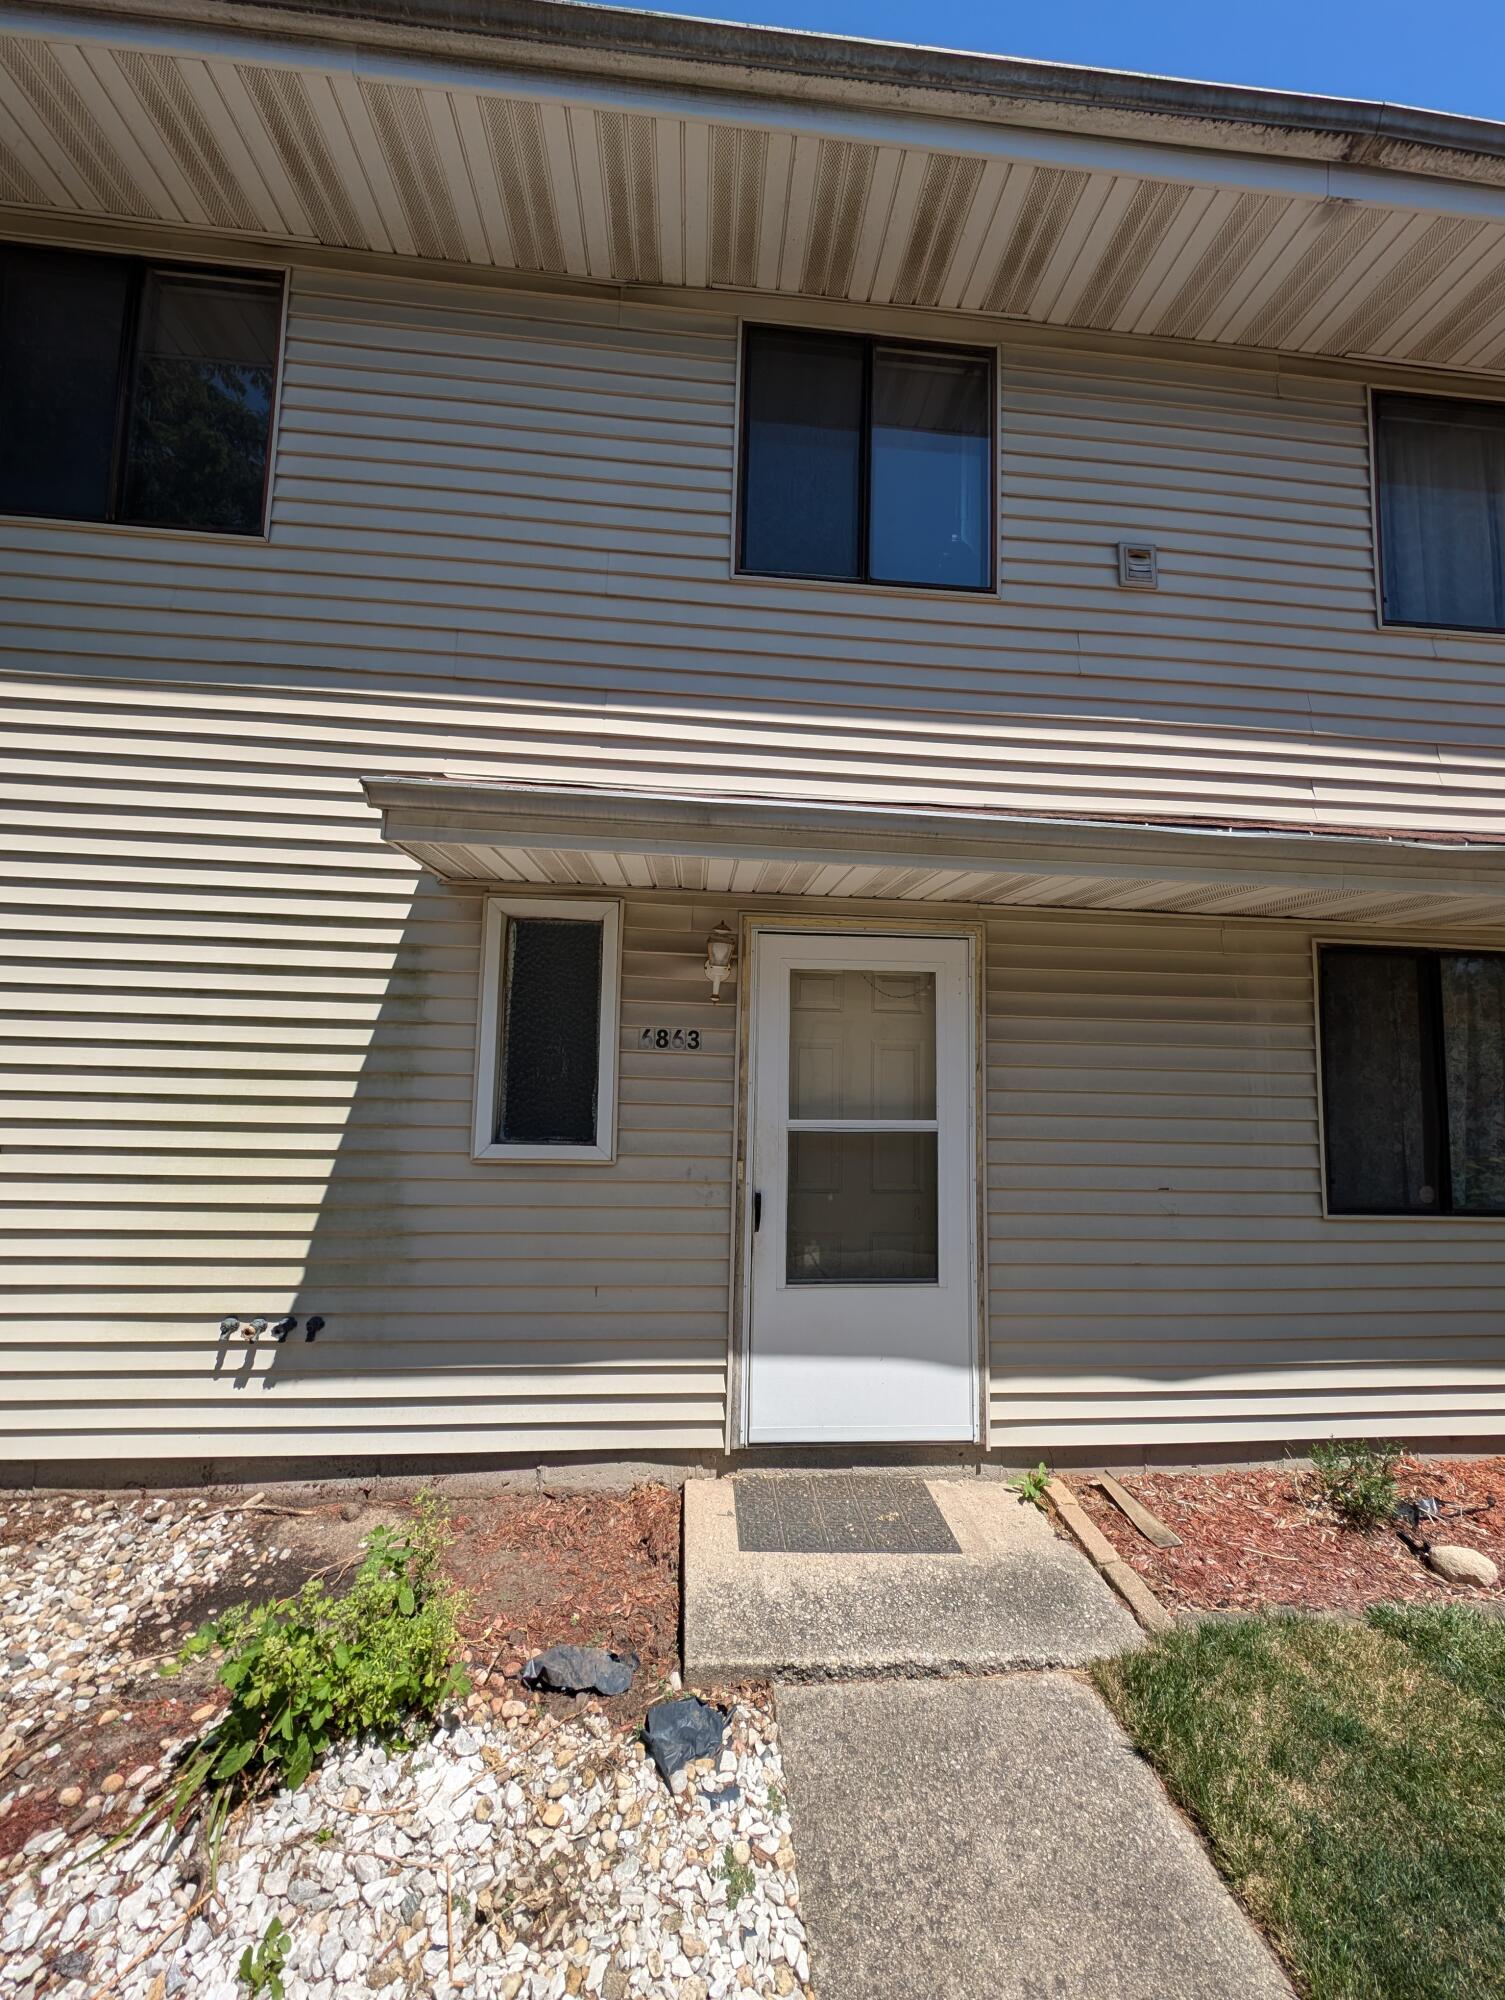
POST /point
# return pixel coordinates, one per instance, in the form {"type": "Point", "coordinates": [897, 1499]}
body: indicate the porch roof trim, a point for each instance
{"type": "Point", "coordinates": [502, 833]}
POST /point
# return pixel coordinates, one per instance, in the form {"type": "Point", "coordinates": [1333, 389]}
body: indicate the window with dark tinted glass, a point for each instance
{"type": "Point", "coordinates": [1413, 1081]}
{"type": "Point", "coordinates": [1440, 480]}
{"type": "Point", "coordinates": [135, 392]}
{"type": "Point", "coordinates": [866, 461]}
{"type": "Point", "coordinates": [551, 1029]}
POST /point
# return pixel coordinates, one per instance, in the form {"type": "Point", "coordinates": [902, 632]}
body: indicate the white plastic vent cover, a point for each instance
{"type": "Point", "coordinates": [1139, 565]}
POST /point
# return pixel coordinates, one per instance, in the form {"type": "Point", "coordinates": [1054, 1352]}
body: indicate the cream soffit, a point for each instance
{"type": "Point", "coordinates": [616, 841]}
{"type": "Point", "coordinates": [649, 181]}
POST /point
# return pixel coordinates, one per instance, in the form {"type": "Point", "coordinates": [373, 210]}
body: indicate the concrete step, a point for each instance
{"type": "Point", "coordinates": [828, 1604]}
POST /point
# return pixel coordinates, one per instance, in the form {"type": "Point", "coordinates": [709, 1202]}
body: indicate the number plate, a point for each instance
{"type": "Point", "coordinates": [668, 1038]}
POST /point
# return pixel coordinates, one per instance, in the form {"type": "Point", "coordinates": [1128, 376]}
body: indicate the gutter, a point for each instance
{"type": "Point", "coordinates": [611, 42]}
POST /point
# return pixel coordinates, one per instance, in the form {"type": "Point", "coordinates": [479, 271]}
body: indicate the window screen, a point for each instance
{"type": "Point", "coordinates": [551, 1032]}
{"type": "Point", "coordinates": [1413, 1081]}
{"type": "Point", "coordinates": [135, 392]}
{"type": "Point", "coordinates": [866, 461]}
{"type": "Point", "coordinates": [1440, 478]}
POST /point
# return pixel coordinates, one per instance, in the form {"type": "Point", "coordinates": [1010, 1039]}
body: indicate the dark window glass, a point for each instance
{"type": "Point", "coordinates": [62, 326]}
{"type": "Point", "coordinates": [932, 460]}
{"type": "Point", "coordinates": [802, 491]}
{"type": "Point", "coordinates": [1379, 1151]}
{"type": "Point", "coordinates": [135, 393]}
{"type": "Point", "coordinates": [1440, 476]}
{"type": "Point", "coordinates": [866, 461]}
{"type": "Point", "coordinates": [201, 402]}
{"type": "Point", "coordinates": [1413, 1081]}
{"type": "Point", "coordinates": [1473, 1031]}
{"type": "Point", "coordinates": [551, 1024]}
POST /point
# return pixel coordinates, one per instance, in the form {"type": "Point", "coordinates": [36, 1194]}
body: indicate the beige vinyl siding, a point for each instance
{"type": "Point", "coordinates": [264, 1129]}
{"type": "Point", "coordinates": [1161, 1269]}
{"type": "Point", "coordinates": [239, 1029]}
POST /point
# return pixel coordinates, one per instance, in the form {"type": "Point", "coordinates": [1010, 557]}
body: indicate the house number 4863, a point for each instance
{"type": "Point", "coordinates": [668, 1038]}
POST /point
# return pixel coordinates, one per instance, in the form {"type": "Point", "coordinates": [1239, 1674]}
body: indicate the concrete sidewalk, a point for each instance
{"type": "Point", "coordinates": [999, 1839]}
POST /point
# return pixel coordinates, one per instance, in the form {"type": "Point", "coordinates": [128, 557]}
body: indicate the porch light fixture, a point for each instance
{"type": "Point", "coordinates": [720, 952]}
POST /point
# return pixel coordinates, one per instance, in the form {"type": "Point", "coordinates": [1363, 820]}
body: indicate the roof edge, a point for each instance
{"type": "Point", "coordinates": [616, 41]}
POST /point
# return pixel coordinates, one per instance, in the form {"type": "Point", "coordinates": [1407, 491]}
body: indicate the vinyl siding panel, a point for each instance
{"type": "Point", "coordinates": [239, 1030]}
{"type": "Point", "coordinates": [1160, 1268]}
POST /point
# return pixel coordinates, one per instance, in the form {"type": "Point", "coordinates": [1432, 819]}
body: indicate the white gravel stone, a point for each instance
{"type": "Point", "coordinates": [379, 1867]}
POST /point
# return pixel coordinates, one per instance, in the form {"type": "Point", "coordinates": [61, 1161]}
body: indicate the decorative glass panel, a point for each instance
{"type": "Point", "coordinates": [551, 1030]}
{"type": "Point", "coordinates": [1473, 1033]}
{"type": "Point", "coordinates": [931, 511]}
{"type": "Point", "coordinates": [1381, 1148]}
{"type": "Point", "coordinates": [802, 481]}
{"type": "Point", "coordinates": [201, 402]}
{"type": "Point", "coordinates": [861, 1044]}
{"type": "Point", "coordinates": [862, 1209]}
{"type": "Point", "coordinates": [62, 320]}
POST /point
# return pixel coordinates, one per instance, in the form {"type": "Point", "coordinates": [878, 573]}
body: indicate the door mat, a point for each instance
{"type": "Point", "coordinates": [839, 1514]}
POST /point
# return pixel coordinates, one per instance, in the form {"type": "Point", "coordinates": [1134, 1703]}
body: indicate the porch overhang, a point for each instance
{"type": "Point", "coordinates": [473, 831]}
{"type": "Point", "coordinates": [575, 144]}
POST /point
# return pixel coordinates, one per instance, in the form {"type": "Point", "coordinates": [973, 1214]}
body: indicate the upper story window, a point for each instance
{"type": "Point", "coordinates": [866, 461]}
{"type": "Point", "coordinates": [135, 392]}
{"type": "Point", "coordinates": [1413, 1081]}
{"type": "Point", "coordinates": [1440, 477]}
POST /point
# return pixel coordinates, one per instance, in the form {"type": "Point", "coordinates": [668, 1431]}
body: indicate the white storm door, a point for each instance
{"type": "Point", "coordinates": [861, 1191]}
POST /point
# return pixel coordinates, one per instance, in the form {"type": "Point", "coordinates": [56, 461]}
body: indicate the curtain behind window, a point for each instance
{"type": "Point", "coordinates": [1473, 1029]}
{"type": "Point", "coordinates": [1380, 1154]}
{"type": "Point", "coordinates": [1440, 465]}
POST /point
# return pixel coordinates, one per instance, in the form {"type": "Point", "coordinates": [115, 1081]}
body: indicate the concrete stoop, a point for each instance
{"type": "Point", "coordinates": [1011, 1594]}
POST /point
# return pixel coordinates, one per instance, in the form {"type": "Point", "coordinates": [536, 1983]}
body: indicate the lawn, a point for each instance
{"type": "Point", "coordinates": [1350, 1780]}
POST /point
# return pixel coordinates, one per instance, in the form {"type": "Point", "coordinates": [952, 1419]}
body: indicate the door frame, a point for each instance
{"type": "Point", "coordinates": [752, 925]}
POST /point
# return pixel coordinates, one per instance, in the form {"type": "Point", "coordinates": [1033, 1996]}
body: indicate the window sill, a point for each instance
{"type": "Point", "coordinates": [954, 593]}
{"type": "Point", "coordinates": [526, 1156]}
{"type": "Point", "coordinates": [1431, 631]}
{"type": "Point", "coordinates": [221, 537]}
{"type": "Point", "coordinates": [1405, 1215]}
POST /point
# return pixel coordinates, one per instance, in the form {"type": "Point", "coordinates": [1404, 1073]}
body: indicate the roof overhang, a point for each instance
{"type": "Point", "coordinates": [629, 149]}
{"type": "Point", "coordinates": [501, 834]}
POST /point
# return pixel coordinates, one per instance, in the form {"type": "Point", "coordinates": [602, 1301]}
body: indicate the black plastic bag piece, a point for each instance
{"type": "Point", "coordinates": [581, 1670]}
{"type": "Point", "coordinates": [677, 1732]}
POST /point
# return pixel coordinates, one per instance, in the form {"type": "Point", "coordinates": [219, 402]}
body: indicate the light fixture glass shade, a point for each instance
{"type": "Point", "coordinates": [720, 952]}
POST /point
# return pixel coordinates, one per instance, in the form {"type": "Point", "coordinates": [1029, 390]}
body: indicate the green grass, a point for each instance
{"type": "Point", "coordinates": [1350, 1780]}
{"type": "Point", "coordinates": [1466, 1649]}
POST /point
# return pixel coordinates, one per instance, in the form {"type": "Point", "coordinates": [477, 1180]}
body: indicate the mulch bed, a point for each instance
{"type": "Point", "coordinates": [590, 1569]}
{"type": "Point", "coordinates": [1258, 1537]}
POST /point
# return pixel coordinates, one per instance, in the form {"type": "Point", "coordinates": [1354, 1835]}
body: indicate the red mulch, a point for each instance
{"type": "Point", "coordinates": [1260, 1537]}
{"type": "Point", "coordinates": [590, 1569]}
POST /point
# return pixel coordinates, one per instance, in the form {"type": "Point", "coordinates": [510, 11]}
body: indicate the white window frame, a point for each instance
{"type": "Point", "coordinates": [489, 1023]}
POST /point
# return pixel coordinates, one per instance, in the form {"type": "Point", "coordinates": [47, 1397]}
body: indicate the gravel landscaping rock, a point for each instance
{"type": "Point", "coordinates": [515, 1853]}
{"type": "Point", "coordinates": [525, 1860]}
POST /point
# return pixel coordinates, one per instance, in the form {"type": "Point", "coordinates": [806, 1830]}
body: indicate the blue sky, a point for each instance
{"type": "Point", "coordinates": [1448, 55]}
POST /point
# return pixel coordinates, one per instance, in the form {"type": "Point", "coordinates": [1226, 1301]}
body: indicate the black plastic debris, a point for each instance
{"type": "Point", "coordinates": [581, 1670]}
{"type": "Point", "coordinates": [677, 1732]}
{"type": "Point", "coordinates": [1425, 1507]}
{"type": "Point", "coordinates": [729, 1795]}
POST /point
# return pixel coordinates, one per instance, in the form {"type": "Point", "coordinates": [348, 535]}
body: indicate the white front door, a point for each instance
{"type": "Point", "coordinates": [861, 1192]}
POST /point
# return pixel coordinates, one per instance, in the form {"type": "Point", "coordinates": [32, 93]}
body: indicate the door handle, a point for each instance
{"type": "Point", "coordinates": [757, 1210]}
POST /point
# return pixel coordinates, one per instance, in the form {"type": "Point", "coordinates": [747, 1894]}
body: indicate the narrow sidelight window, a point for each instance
{"type": "Point", "coordinates": [546, 1059]}
{"type": "Point", "coordinates": [1440, 480]}
{"type": "Point", "coordinates": [135, 392]}
{"type": "Point", "coordinates": [866, 461]}
{"type": "Point", "coordinates": [1413, 1081]}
